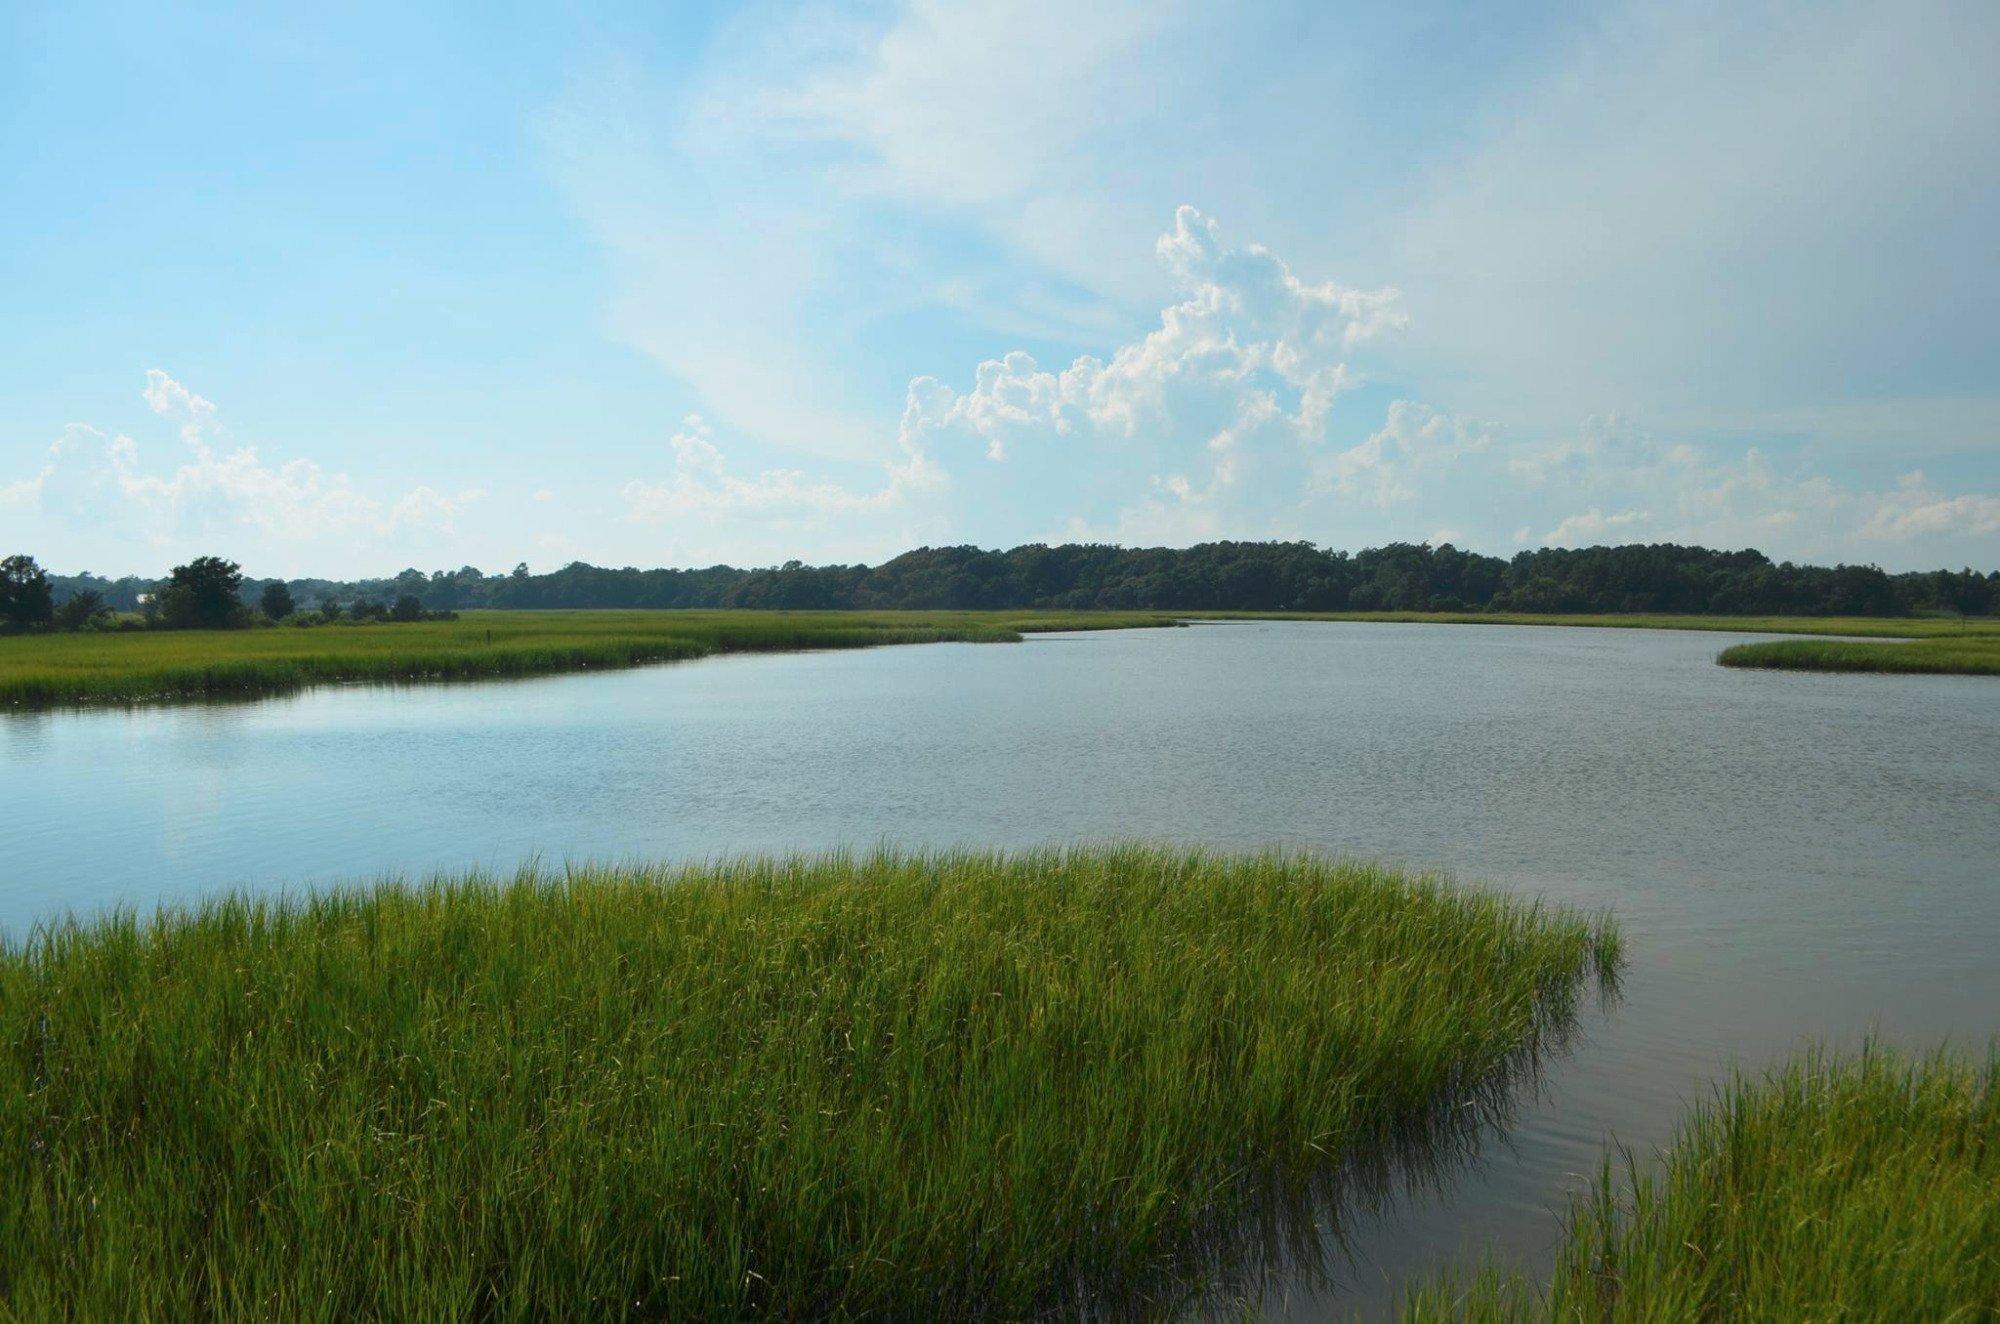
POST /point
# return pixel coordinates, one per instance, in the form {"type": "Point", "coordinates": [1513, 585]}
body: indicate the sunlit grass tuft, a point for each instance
{"type": "Point", "coordinates": [891, 1085]}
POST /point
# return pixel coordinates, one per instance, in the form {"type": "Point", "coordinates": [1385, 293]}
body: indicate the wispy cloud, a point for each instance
{"type": "Point", "coordinates": [1708, 215]}
{"type": "Point", "coordinates": [1384, 468]}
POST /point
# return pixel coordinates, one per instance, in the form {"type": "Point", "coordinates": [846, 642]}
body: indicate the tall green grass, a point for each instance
{"type": "Point", "coordinates": [1863, 1188]}
{"type": "Point", "coordinates": [895, 1085]}
{"type": "Point", "coordinates": [46, 670]}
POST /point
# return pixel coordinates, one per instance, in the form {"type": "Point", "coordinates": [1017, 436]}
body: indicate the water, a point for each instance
{"type": "Point", "coordinates": [1793, 857]}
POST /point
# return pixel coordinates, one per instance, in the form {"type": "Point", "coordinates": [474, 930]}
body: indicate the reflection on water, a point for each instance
{"type": "Point", "coordinates": [1300, 1244]}
{"type": "Point", "coordinates": [1790, 856]}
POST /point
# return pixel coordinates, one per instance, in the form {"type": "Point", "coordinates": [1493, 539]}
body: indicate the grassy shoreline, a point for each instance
{"type": "Point", "coordinates": [1954, 655]}
{"type": "Point", "coordinates": [1865, 1187]}
{"type": "Point", "coordinates": [55, 670]}
{"type": "Point", "coordinates": [898, 1085]}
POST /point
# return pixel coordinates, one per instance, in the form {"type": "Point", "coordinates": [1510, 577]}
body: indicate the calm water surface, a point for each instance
{"type": "Point", "coordinates": [1792, 856]}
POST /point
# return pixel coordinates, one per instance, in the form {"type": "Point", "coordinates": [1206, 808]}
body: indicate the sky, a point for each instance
{"type": "Point", "coordinates": [376, 286]}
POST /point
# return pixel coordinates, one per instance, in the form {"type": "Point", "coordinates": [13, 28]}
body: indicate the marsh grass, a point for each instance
{"type": "Point", "coordinates": [1970, 655]}
{"type": "Point", "coordinates": [56, 670]}
{"type": "Point", "coordinates": [47, 670]}
{"type": "Point", "coordinates": [1865, 1187]}
{"type": "Point", "coordinates": [902, 1085]}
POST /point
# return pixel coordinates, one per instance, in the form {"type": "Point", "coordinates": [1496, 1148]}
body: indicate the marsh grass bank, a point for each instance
{"type": "Point", "coordinates": [1971, 654]}
{"type": "Point", "coordinates": [1865, 1187]}
{"type": "Point", "coordinates": [892, 1085]}
{"type": "Point", "coordinates": [56, 670]}
{"type": "Point", "coordinates": [50, 670]}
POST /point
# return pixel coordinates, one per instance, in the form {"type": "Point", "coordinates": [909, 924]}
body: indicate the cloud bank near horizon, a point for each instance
{"type": "Point", "coordinates": [829, 282]}
{"type": "Point", "coordinates": [1217, 422]}
{"type": "Point", "coordinates": [215, 494]}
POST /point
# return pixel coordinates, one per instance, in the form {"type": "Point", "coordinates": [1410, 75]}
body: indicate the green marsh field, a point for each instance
{"type": "Point", "coordinates": [911, 1086]}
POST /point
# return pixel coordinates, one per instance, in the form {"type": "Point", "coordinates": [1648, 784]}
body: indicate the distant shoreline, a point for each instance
{"type": "Point", "coordinates": [1890, 645]}
{"type": "Point", "coordinates": [52, 670]}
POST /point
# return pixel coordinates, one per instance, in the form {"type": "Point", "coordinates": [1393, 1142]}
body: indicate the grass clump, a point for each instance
{"type": "Point", "coordinates": [1969, 655]}
{"type": "Point", "coordinates": [1858, 1188]}
{"type": "Point", "coordinates": [47, 670]}
{"type": "Point", "coordinates": [906, 1085]}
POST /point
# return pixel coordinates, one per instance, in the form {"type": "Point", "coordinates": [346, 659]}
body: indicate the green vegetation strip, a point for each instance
{"type": "Point", "coordinates": [51, 670]}
{"type": "Point", "coordinates": [904, 1085]}
{"type": "Point", "coordinates": [1968, 655]}
{"type": "Point", "coordinates": [1859, 1188]}
{"type": "Point", "coordinates": [139, 666]}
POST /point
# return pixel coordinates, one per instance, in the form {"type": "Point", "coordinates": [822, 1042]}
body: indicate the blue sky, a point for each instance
{"type": "Point", "coordinates": [678, 284]}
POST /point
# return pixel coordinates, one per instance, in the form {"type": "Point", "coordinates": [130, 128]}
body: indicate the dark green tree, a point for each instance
{"type": "Point", "coordinates": [407, 608]}
{"type": "Point", "coordinates": [82, 610]}
{"type": "Point", "coordinates": [277, 600]}
{"type": "Point", "coordinates": [25, 598]}
{"type": "Point", "coordinates": [204, 594]}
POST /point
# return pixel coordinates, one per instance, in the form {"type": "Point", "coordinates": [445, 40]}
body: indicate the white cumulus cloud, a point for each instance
{"type": "Point", "coordinates": [1594, 526]}
{"type": "Point", "coordinates": [1914, 510]}
{"type": "Point", "coordinates": [1219, 422]}
{"type": "Point", "coordinates": [1238, 378]}
{"type": "Point", "coordinates": [1723, 496]}
{"type": "Point", "coordinates": [90, 477]}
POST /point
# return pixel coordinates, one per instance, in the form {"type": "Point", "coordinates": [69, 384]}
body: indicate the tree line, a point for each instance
{"type": "Point", "coordinates": [208, 593]}
{"type": "Point", "coordinates": [1220, 576]}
